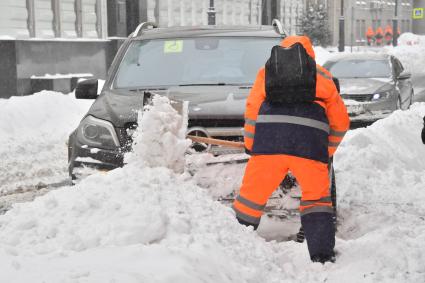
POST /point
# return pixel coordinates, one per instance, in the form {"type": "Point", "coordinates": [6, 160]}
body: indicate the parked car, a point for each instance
{"type": "Point", "coordinates": [372, 84]}
{"type": "Point", "coordinates": [212, 67]}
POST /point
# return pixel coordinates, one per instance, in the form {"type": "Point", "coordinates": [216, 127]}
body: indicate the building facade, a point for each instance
{"type": "Point", "coordinates": [418, 16]}
{"type": "Point", "coordinates": [50, 19]}
{"type": "Point", "coordinates": [195, 12]}
{"type": "Point", "coordinates": [361, 14]}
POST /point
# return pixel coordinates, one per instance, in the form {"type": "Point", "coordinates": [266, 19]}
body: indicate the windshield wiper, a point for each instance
{"type": "Point", "coordinates": [203, 84]}
{"type": "Point", "coordinates": [219, 84]}
{"type": "Point", "coordinates": [147, 89]}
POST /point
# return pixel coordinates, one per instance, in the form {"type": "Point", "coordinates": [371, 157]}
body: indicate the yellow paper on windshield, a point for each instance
{"type": "Point", "coordinates": [173, 46]}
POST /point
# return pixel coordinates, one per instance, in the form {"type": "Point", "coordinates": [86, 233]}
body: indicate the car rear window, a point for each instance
{"type": "Point", "coordinates": [359, 68]}
{"type": "Point", "coordinates": [203, 60]}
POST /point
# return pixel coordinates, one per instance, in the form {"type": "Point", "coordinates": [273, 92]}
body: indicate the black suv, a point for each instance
{"type": "Point", "coordinates": [212, 67]}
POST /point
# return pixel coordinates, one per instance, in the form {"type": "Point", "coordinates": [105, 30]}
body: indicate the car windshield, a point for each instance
{"type": "Point", "coordinates": [193, 61]}
{"type": "Point", "coordinates": [359, 68]}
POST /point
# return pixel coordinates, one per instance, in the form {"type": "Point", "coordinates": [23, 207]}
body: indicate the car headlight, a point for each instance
{"type": "Point", "coordinates": [98, 133]}
{"type": "Point", "coordinates": [381, 95]}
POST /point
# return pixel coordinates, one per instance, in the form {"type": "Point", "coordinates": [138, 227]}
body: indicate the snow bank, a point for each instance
{"type": "Point", "coordinates": [134, 224]}
{"type": "Point", "coordinates": [408, 38]}
{"type": "Point", "coordinates": [380, 175]}
{"type": "Point", "coordinates": [34, 130]}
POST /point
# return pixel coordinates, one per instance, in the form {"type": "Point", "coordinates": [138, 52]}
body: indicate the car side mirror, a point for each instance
{"type": "Point", "coordinates": [404, 75]}
{"type": "Point", "coordinates": [86, 89]}
{"type": "Point", "coordinates": [336, 82]}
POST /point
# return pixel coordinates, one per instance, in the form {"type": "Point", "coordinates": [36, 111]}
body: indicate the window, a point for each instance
{"type": "Point", "coordinates": [360, 68]}
{"type": "Point", "coordinates": [358, 31]}
{"type": "Point", "coordinates": [219, 60]}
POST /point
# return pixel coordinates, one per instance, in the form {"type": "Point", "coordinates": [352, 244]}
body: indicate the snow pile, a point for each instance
{"type": "Point", "coordinates": [34, 130]}
{"type": "Point", "coordinates": [408, 38]}
{"type": "Point", "coordinates": [161, 141]}
{"type": "Point", "coordinates": [134, 224]}
{"type": "Point", "coordinates": [381, 198]}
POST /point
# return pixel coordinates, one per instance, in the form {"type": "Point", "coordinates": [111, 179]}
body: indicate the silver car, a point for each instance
{"type": "Point", "coordinates": [372, 85]}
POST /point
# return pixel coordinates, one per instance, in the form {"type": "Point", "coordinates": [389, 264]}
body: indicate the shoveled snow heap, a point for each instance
{"type": "Point", "coordinates": [161, 140]}
{"type": "Point", "coordinates": [149, 224]}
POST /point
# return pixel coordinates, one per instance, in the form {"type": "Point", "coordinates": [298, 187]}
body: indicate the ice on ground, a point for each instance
{"type": "Point", "coordinates": [149, 224]}
{"type": "Point", "coordinates": [34, 131]}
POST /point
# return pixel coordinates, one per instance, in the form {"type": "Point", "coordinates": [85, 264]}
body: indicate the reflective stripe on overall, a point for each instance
{"type": "Point", "coordinates": [299, 129]}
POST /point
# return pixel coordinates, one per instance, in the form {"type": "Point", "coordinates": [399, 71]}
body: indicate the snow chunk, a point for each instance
{"type": "Point", "coordinates": [160, 139]}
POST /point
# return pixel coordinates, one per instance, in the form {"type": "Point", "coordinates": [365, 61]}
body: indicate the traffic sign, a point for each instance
{"type": "Point", "coordinates": [418, 13]}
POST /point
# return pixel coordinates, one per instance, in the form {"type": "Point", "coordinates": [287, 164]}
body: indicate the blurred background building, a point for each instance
{"type": "Point", "coordinates": [361, 14]}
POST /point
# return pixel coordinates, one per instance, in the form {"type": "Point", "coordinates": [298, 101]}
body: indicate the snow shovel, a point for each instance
{"type": "Point", "coordinates": [222, 143]}
{"type": "Point", "coordinates": [216, 141]}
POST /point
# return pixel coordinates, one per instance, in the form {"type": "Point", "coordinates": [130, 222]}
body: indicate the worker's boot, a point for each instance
{"type": "Point", "coordinates": [319, 232]}
{"type": "Point", "coordinates": [323, 258]}
{"type": "Point", "coordinates": [243, 222]}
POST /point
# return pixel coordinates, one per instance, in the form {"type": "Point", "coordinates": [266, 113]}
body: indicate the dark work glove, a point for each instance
{"type": "Point", "coordinates": [247, 151]}
{"type": "Point", "coordinates": [423, 132]}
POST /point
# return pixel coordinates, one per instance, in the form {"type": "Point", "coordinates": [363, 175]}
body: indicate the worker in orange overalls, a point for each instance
{"type": "Point", "coordinates": [294, 121]}
{"type": "Point", "coordinates": [370, 35]}
{"type": "Point", "coordinates": [388, 35]}
{"type": "Point", "coordinates": [379, 35]}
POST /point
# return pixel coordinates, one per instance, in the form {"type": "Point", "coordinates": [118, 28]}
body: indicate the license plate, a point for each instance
{"type": "Point", "coordinates": [355, 110]}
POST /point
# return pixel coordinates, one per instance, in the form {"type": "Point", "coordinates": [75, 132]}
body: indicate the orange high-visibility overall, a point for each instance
{"type": "Point", "coordinates": [388, 34]}
{"type": "Point", "coordinates": [379, 35]}
{"type": "Point", "coordinates": [264, 172]}
{"type": "Point", "coordinates": [370, 35]}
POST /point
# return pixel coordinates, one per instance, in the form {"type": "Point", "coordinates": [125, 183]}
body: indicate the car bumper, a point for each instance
{"type": "Point", "coordinates": [81, 157]}
{"type": "Point", "coordinates": [368, 111]}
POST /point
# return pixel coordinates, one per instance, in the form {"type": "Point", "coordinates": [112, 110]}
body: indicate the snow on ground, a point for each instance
{"type": "Point", "coordinates": [34, 130]}
{"type": "Point", "coordinates": [146, 223]}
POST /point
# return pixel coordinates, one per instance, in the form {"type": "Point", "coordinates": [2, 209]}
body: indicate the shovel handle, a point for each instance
{"type": "Point", "coordinates": [216, 141]}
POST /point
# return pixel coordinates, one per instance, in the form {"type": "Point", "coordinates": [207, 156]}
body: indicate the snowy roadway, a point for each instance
{"type": "Point", "coordinates": [144, 224]}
